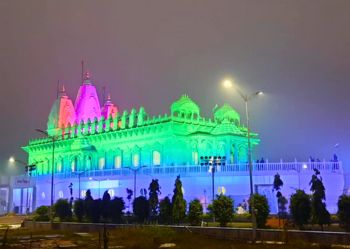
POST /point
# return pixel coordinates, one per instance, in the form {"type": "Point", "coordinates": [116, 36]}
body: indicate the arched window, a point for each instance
{"type": "Point", "coordinates": [117, 161]}
{"type": "Point", "coordinates": [136, 160]}
{"type": "Point", "coordinates": [156, 158]}
{"type": "Point", "coordinates": [101, 163]}
{"type": "Point", "coordinates": [59, 166]}
{"type": "Point", "coordinates": [88, 163]}
{"type": "Point", "coordinates": [195, 157]}
{"type": "Point", "coordinates": [73, 164]}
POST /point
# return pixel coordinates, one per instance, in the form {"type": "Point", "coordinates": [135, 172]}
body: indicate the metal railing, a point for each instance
{"type": "Point", "coordinates": [193, 170]}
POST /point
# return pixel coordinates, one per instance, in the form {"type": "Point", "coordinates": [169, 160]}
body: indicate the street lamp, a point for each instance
{"type": "Point", "coordinates": [79, 173]}
{"type": "Point", "coordinates": [213, 162]}
{"type": "Point", "coordinates": [135, 170]}
{"type": "Point", "coordinates": [228, 84]}
{"type": "Point", "coordinates": [53, 138]}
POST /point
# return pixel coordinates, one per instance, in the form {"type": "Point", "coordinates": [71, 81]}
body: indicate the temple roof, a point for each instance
{"type": "Point", "coordinates": [87, 104]}
{"type": "Point", "coordinates": [185, 105]}
{"type": "Point", "coordinates": [226, 112]}
{"type": "Point", "coordinates": [109, 108]}
{"type": "Point", "coordinates": [62, 113]}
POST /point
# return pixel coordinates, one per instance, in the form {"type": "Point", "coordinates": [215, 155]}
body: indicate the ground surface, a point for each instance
{"type": "Point", "coordinates": [133, 238]}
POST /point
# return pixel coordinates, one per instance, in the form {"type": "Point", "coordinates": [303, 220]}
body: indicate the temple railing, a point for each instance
{"type": "Point", "coordinates": [196, 170]}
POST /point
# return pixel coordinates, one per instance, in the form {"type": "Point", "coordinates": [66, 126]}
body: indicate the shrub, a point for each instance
{"type": "Point", "coordinates": [63, 210]}
{"type": "Point", "coordinates": [42, 213]}
{"type": "Point", "coordinates": [154, 191]}
{"type": "Point", "coordinates": [195, 212]}
{"type": "Point", "coordinates": [106, 206]}
{"type": "Point", "coordinates": [96, 210]}
{"type": "Point", "coordinates": [165, 211]}
{"type": "Point", "coordinates": [222, 209]}
{"type": "Point", "coordinates": [320, 214]}
{"type": "Point", "coordinates": [117, 207]}
{"type": "Point", "coordinates": [141, 209]}
{"type": "Point", "coordinates": [300, 208]}
{"type": "Point", "coordinates": [178, 202]}
{"type": "Point", "coordinates": [262, 209]}
{"type": "Point", "coordinates": [78, 208]}
{"type": "Point", "coordinates": [344, 211]}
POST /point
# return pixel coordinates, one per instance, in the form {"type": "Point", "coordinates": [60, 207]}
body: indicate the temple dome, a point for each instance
{"type": "Point", "coordinates": [226, 112]}
{"type": "Point", "coordinates": [184, 106]}
{"type": "Point", "coordinates": [87, 104]}
{"type": "Point", "coordinates": [109, 109]}
{"type": "Point", "coordinates": [62, 113]}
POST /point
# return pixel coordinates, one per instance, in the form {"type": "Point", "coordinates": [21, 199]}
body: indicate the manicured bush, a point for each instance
{"type": "Point", "coordinates": [344, 211]}
{"type": "Point", "coordinates": [141, 209]}
{"type": "Point", "coordinates": [222, 209]}
{"type": "Point", "coordinates": [106, 206]}
{"type": "Point", "coordinates": [62, 209]}
{"type": "Point", "coordinates": [165, 211]}
{"type": "Point", "coordinates": [300, 208]}
{"type": "Point", "coordinates": [262, 209]}
{"type": "Point", "coordinates": [42, 213]}
{"type": "Point", "coordinates": [195, 213]}
{"type": "Point", "coordinates": [117, 207]}
{"type": "Point", "coordinates": [78, 209]}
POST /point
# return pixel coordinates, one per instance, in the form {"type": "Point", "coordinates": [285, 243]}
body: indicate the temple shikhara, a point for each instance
{"type": "Point", "coordinates": [97, 146]}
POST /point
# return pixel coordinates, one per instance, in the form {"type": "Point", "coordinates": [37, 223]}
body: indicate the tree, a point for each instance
{"type": "Point", "coordinates": [222, 209]}
{"type": "Point", "coordinates": [62, 209]}
{"type": "Point", "coordinates": [78, 208]}
{"type": "Point", "coordinates": [165, 211]}
{"type": "Point", "coordinates": [262, 209]}
{"type": "Point", "coordinates": [96, 210]}
{"type": "Point", "coordinates": [344, 211]}
{"type": "Point", "coordinates": [117, 207]}
{"type": "Point", "coordinates": [154, 191]}
{"type": "Point", "coordinates": [141, 208]}
{"type": "Point", "coordinates": [195, 212]}
{"type": "Point", "coordinates": [300, 208]}
{"type": "Point", "coordinates": [106, 203]}
{"type": "Point", "coordinates": [178, 202]}
{"type": "Point", "coordinates": [88, 205]}
{"type": "Point", "coordinates": [281, 200]}
{"type": "Point", "coordinates": [320, 214]}
{"type": "Point", "coordinates": [42, 213]}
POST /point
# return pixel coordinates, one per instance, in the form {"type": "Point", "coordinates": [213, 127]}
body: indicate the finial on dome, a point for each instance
{"type": "Point", "coordinates": [87, 77]}
{"type": "Point", "coordinates": [62, 91]}
{"type": "Point", "coordinates": [109, 97]}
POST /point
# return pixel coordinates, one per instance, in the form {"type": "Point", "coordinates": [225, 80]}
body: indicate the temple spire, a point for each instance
{"type": "Point", "coordinates": [87, 78]}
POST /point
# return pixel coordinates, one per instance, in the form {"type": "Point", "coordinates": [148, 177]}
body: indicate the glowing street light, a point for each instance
{"type": "Point", "coordinates": [228, 84]}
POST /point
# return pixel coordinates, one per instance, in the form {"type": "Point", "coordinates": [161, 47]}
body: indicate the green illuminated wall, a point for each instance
{"type": "Point", "coordinates": [131, 139]}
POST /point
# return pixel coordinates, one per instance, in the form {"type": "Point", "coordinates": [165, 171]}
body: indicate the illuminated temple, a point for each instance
{"type": "Point", "coordinates": [97, 146]}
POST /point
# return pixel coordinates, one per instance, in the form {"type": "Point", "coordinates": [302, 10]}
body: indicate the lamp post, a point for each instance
{"type": "Point", "coordinates": [53, 138]}
{"type": "Point", "coordinates": [212, 161]}
{"type": "Point", "coordinates": [246, 98]}
{"type": "Point", "coordinates": [79, 173]}
{"type": "Point", "coordinates": [135, 170]}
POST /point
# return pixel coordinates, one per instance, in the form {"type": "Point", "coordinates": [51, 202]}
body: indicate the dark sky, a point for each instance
{"type": "Point", "coordinates": [150, 52]}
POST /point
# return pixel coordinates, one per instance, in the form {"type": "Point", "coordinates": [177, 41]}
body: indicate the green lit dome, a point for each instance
{"type": "Point", "coordinates": [226, 112]}
{"type": "Point", "coordinates": [184, 106]}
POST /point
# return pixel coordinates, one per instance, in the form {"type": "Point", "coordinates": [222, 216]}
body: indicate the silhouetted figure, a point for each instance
{"type": "Point", "coordinates": [262, 160]}
{"type": "Point", "coordinates": [335, 158]}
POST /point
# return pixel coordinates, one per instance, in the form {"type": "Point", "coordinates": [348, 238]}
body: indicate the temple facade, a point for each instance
{"type": "Point", "coordinates": [98, 147]}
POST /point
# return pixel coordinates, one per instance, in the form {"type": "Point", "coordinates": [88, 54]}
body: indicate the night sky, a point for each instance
{"type": "Point", "coordinates": [150, 52]}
